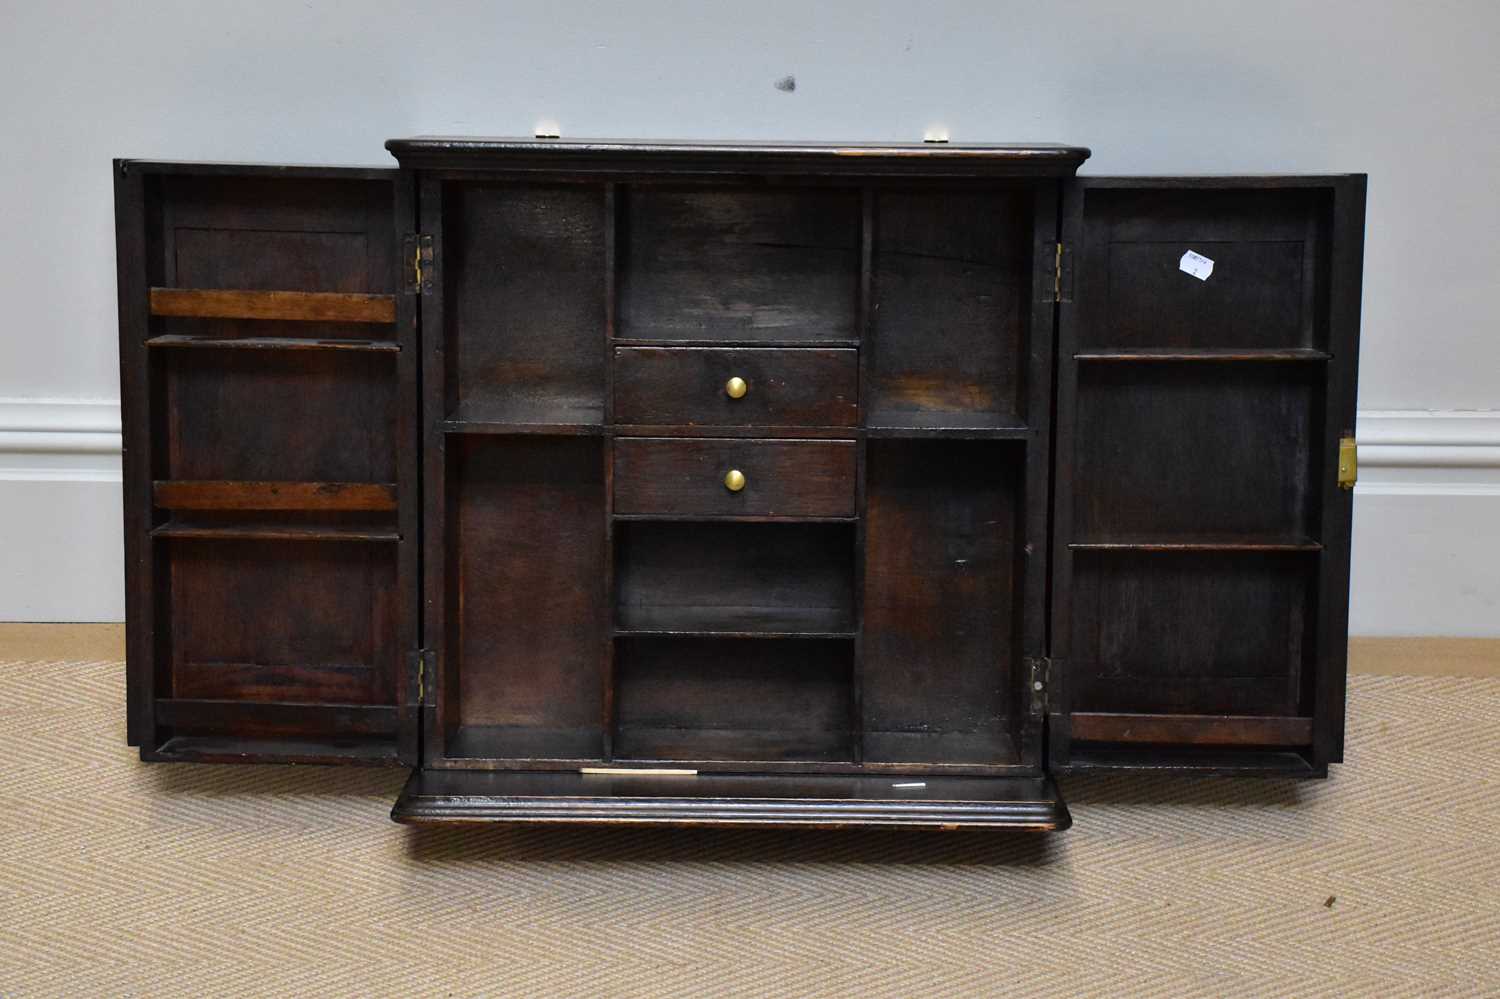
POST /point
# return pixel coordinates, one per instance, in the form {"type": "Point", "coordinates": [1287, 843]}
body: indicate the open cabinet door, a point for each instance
{"type": "Point", "coordinates": [1208, 348]}
{"type": "Point", "coordinates": [268, 383]}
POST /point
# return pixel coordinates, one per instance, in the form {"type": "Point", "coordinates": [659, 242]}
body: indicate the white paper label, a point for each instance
{"type": "Point", "coordinates": [1196, 264]}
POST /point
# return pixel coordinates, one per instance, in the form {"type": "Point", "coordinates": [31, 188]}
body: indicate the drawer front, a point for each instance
{"type": "Point", "coordinates": [686, 477]}
{"type": "Point", "coordinates": [690, 386]}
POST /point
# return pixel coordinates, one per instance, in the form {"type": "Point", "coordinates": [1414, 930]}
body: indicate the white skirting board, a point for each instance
{"type": "Point", "coordinates": [1426, 518]}
{"type": "Point", "coordinates": [61, 553]}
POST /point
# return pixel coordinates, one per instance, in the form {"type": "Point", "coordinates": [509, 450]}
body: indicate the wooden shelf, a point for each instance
{"type": "Point", "coordinates": [1205, 354]}
{"type": "Point", "coordinates": [680, 518]}
{"type": "Point", "coordinates": [513, 742]}
{"type": "Point", "coordinates": [183, 494]}
{"type": "Point", "coordinates": [1203, 543]}
{"type": "Point", "coordinates": [735, 622]}
{"type": "Point", "coordinates": [297, 306]}
{"type": "Point", "coordinates": [984, 426]}
{"type": "Point", "coordinates": [949, 748]}
{"type": "Point", "coordinates": [664, 745]}
{"type": "Point", "coordinates": [272, 343]}
{"type": "Point", "coordinates": [559, 417]}
{"type": "Point", "coordinates": [275, 532]}
{"type": "Point", "coordinates": [735, 344]}
{"type": "Point", "coordinates": [370, 751]}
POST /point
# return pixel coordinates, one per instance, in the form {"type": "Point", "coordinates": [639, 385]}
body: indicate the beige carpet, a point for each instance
{"type": "Point", "coordinates": [118, 878]}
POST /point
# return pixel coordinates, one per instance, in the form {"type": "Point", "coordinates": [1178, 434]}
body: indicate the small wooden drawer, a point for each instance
{"type": "Point", "coordinates": [690, 477]}
{"type": "Point", "coordinates": [732, 387]}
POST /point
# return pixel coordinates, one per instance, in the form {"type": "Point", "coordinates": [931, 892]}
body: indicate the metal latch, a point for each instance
{"type": "Point", "coordinates": [1036, 683]}
{"type": "Point", "coordinates": [1348, 462]}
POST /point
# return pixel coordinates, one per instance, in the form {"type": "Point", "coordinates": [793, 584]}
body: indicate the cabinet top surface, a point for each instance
{"type": "Point", "coordinates": [831, 157]}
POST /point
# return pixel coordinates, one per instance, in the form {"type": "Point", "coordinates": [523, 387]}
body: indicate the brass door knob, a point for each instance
{"type": "Point", "coordinates": [734, 480]}
{"type": "Point", "coordinates": [736, 388]}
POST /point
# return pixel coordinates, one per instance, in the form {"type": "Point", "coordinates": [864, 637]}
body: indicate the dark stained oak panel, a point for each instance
{"type": "Point", "coordinates": [266, 415]}
{"type": "Point", "coordinates": [528, 570]}
{"type": "Point", "coordinates": [739, 264]}
{"type": "Point", "coordinates": [1267, 249]}
{"type": "Point", "coordinates": [294, 621]}
{"type": "Point", "coordinates": [1191, 633]}
{"type": "Point", "coordinates": [940, 600]}
{"type": "Point", "coordinates": [950, 285]}
{"type": "Point", "coordinates": [1166, 452]}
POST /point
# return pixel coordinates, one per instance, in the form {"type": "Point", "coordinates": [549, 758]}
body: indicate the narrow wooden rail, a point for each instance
{"type": "Point", "coordinates": [182, 494]}
{"type": "Point", "coordinates": [302, 306]}
{"type": "Point", "coordinates": [1192, 730]}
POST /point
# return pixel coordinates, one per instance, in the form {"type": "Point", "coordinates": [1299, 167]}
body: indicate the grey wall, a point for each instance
{"type": "Point", "coordinates": [1407, 92]}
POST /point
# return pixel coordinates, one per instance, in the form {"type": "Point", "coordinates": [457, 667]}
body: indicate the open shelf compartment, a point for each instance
{"type": "Point", "coordinates": [733, 699]}
{"type": "Point", "coordinates": [739, 579]}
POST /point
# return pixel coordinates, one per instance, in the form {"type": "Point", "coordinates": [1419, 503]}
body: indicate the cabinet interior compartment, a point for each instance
{"type": "Point", "coordinates": [1266, 293]}
{"type": "Point", "coordinates": [264, 416]}
{"type": "Point", "coordinates": [951, 279]}
{"type": "Point", "coordinates": [940, 673]}
{"type": "Point", "coordinates": [694, 698]}
{"type": "Point", "coordinates": [292, 642]}
{"type": "Point", "coordinates": [529, 617]}
{"type": "Point", "coordinates": [524, 288]}
{"type": "Point", "coordinates": [1192, 633]}
{"type": "Point", "coordinates": [734, 578]}
{"type": "Point", "coordinates": [745, 264]}
{"type": "Point", "coordinates": [304, 263]}
{"type": "Point", "coordinates": [1207, 453]}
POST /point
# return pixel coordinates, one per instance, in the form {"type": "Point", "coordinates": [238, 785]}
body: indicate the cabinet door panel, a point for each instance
{"type": "Point", "coordinates": [1206, 369]}
{"type": "Point", "coordinates": [268, 394]}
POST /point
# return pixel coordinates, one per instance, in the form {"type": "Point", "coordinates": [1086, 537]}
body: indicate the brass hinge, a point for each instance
{"type": "Point", "coordinates": [1062, 274]}
{"type": "Point", "coordinates": [416, 250]}
{"type": "Point", "coordinates": [421, 656]}
{"type": "Point", "coordinates": [1348, 462]}
{"type": "Point", "coordinates": [1037, 679]}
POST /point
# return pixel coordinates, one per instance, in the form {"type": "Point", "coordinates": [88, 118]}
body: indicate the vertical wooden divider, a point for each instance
{"type": "Point", "coordinates": [611, 215]}
{"type": "Point", "coordinates": [440, 618]}
{"type": "Point", "coordinates": [1034, 562]}
{"type": "Point", "coordinates": [409, 431]}
{"type": "Point", "coordinates": [863, 324]}
{"type": "Point", "coordinates": [135, 406]}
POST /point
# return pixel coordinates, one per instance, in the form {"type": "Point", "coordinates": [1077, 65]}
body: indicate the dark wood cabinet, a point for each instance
{"type": "Point", "coordinates": [742, 484]}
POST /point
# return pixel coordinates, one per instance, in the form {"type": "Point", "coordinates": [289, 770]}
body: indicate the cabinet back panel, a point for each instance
{"type": "Point", "coordinates": [1180, 633]}
{"type": "Point", "coordinates": [739, 264]}
{"type": "Point", "coordinates": [528, 577]}
{"type": "Point", "coordinates": [293, 621]}
{"type": "Point", "coordinates": [950, 285]}
{"type": "Point", "coordinates": [280, 416]}
{"type": "Point", "coordinates": [1166, 451]}
{"type": "Point", "coordinates": [525, 300]}
{"type": "Point", "coordinates": [1266, 247]}
{"type": "Point", "coordinates": [733, 699]}
{"type": "Point", "coordinates": [940, 600]}
{"type": "Point", "coordinates": [752, 577]}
